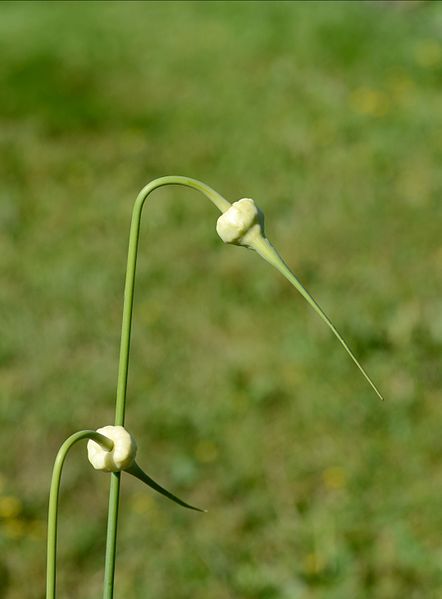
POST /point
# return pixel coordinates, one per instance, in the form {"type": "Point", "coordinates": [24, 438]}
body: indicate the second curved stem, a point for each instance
{"type": "Point", "coordinates": [114, 492]}
{"type": "Point", "coordinates": [53, 502]}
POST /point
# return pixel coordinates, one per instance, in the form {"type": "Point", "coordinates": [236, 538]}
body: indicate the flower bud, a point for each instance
{"type": "Point", "coordinates": [120, 457]}
{"type": "Point", "coordinates": [241, 223]}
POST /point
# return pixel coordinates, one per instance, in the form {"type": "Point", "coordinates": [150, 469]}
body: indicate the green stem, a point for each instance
{"type": "Point", "coordinates": [114, 491]}
{"type": "Point", "coordinates": [53, 501]}
{"type": "Point", "coordinates": [111, 537]}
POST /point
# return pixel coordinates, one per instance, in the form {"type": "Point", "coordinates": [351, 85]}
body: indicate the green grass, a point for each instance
{"type": "Point", "coordinates": [329, 116]}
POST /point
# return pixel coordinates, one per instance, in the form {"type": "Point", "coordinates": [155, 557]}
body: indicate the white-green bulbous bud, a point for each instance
{"type": "Point", "coordinates": [241, 223]}
{"type": "Point", "coordinates": [120, 457]}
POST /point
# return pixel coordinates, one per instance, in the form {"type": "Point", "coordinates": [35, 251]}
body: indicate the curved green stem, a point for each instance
{"type": "Point", "coordinates": [221, 203]}
{"type": "Point", "coordinates": [114, 492]}
{"type": "Point", "coordinates": [53, 501]}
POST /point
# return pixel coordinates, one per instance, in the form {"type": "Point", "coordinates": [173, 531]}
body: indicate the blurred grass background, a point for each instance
{"type": "Point", "coordinates": [329, 115]}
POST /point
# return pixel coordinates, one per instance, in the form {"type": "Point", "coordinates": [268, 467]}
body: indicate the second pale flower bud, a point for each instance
{"type": "Point", "coordinates": [120, 457]}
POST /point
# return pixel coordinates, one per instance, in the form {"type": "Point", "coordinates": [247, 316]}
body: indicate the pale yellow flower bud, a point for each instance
{"type": "Point", "coordinates": [120, 457]}
{"type": "Point", "coordinates": [241, 223]}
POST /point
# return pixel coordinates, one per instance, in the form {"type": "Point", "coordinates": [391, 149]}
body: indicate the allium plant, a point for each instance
{"type": "Point", "coordinates": [111, 448]}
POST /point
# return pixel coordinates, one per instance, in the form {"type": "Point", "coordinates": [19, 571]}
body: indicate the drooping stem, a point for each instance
{"type": "Point", "coordinates": [114, 492]}
{"type": "Point", "coordinates": [53, 502]}
{"type": "Point", "coordinates": [221, 203]}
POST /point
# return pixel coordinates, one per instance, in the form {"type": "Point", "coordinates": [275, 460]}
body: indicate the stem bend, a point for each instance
{"type": "Point", "coordinates": [53, 501]}
{"type": "Point", "coordinates": [221, 203]}
{"type": "Point", "coordinates": [114, 493]}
